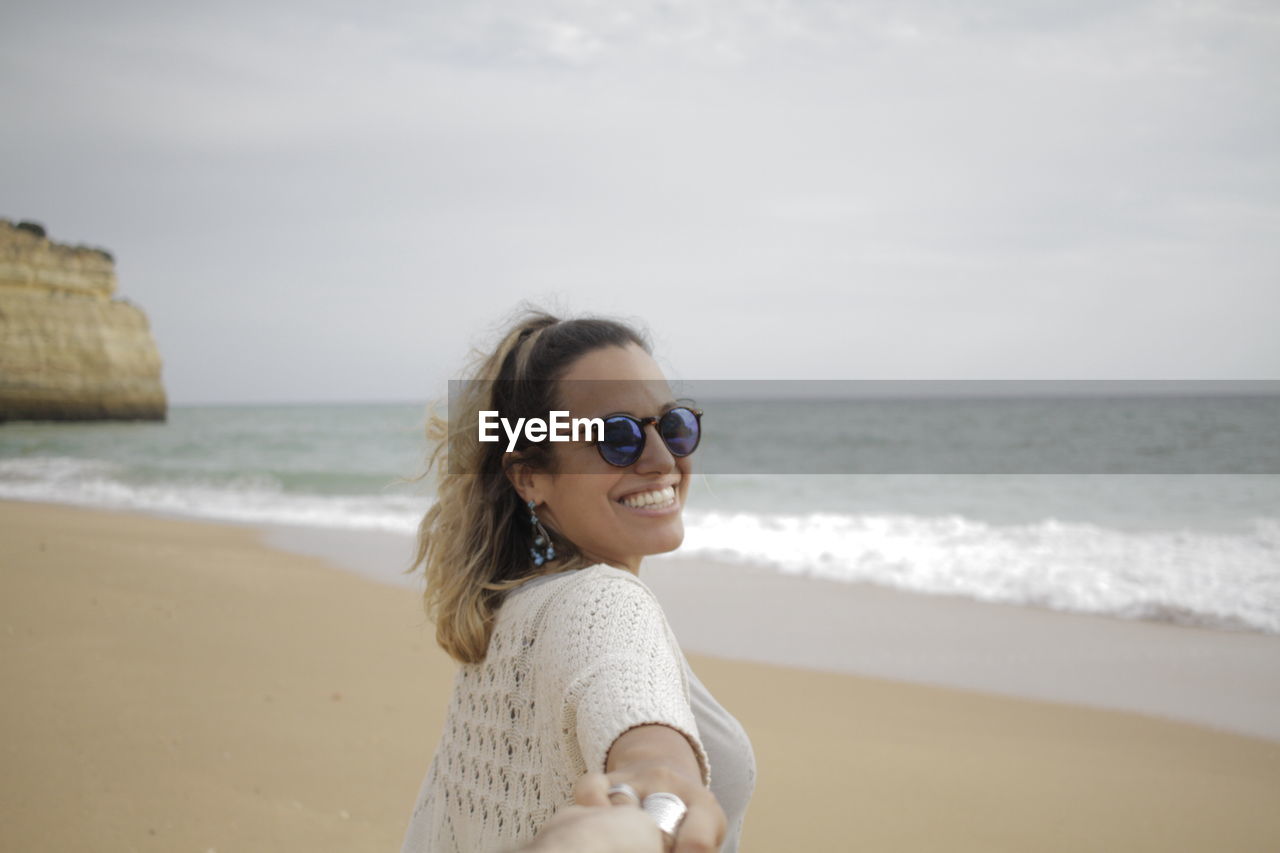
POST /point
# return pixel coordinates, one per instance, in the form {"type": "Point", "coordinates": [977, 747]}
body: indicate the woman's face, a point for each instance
{"type": "Point", "coordinates": [601, 508]}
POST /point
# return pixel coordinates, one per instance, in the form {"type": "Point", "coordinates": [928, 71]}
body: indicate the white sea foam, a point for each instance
{"type": "Point", "coordinates": [255, 498]}
{"type": "Point", "coordinates": [1190, 577]}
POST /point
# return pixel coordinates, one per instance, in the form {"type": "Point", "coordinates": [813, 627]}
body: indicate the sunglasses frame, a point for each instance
{"type": "Point", "coordinates": [644, 435]}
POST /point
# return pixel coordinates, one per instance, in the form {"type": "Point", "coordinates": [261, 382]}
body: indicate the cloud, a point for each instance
{"type": "Point", "coordinates": [833, 187]}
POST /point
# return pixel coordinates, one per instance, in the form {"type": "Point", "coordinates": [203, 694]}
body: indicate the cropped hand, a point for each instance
{"type": "Point", "coordinates": [656, 758]}
{"type": "Point", "coordinates": [593, 825]}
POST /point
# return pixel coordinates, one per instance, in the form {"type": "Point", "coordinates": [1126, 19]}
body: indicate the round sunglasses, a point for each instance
{"type": "Point", "coordinates": [624, 435]}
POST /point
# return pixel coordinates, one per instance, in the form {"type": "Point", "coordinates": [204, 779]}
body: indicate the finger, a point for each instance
{"type": "Point", "coordinates": [590, 790]}
{"type": "Point", "coordinates": [701, 831]}
{"type": "Point", "coordinates": [622, 794]}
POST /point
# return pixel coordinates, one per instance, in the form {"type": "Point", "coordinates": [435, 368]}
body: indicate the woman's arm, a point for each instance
{"type": "Point", "coordinates": [609, 664]}
{"type": "Point", "coordinates": [654, 758]}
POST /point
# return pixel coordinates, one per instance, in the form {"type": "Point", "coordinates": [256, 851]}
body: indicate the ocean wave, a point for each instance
{"type": "Point", "coordinates": [252, 498]}
{"type": "Point", "coordinates": [1180, 576]}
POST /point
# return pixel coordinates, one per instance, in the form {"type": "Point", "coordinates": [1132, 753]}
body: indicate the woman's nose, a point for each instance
{"type": "Point", "coordinates": [656, 457]}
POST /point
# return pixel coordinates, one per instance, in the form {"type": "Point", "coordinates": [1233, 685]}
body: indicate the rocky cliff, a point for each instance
{"type": "Point", "coordinates": [68, 350]}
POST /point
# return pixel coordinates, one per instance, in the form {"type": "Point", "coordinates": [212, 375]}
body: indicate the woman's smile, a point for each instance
{"type": "Point", "coordinates": [660, 500]}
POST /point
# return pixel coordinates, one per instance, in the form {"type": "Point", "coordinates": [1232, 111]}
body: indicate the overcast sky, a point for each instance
{"type": "Point", "coordinates": [332, 201]}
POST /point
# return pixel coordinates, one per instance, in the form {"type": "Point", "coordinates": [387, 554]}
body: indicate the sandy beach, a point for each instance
{"type": "Point", "coordinates": [175, 685]}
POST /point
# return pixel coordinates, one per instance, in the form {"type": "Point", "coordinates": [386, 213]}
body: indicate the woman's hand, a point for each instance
{"type": "Point", "coordinates": [657, 758]}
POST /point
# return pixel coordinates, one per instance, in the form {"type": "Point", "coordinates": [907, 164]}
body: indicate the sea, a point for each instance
{"type": "Point", "coordinates": [996, 500]}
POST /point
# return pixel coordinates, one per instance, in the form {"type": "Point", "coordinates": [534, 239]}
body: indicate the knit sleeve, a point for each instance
{"type": "Point", "coordinates": [614, 665]}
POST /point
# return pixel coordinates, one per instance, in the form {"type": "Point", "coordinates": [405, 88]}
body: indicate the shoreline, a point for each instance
{"type": "Point", "coordinates": [1229, 680]}
{"type": "Point", "coordinates": [178, 685]}
{"type": "Point", "coordinates": [1221, 679]}
{"type": "Point", "coordinates": [1225, 680]}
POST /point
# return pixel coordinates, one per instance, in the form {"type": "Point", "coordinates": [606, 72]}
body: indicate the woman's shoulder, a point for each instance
{"type": "Point", "coordinates": [598, 592]}
{"type": "Point", "coordinates": [588, 581]}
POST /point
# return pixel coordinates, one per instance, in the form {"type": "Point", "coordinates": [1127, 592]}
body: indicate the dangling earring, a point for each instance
{"type": "Point", "coordinates": [542, 551]}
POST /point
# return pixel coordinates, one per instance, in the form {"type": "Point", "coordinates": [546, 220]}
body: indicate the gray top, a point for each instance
{"type": "Point", "coordinates": [733, 763]}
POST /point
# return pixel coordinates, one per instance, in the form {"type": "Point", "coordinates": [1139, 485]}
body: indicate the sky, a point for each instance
{"type": "Point", "coordinates": [319, 201]}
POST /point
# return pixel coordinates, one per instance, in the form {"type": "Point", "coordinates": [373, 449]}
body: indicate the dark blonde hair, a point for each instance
{"type": "Point", "coordinates": [474, 541]}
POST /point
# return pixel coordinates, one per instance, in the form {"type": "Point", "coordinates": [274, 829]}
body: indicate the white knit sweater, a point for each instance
{"type": "Point", "coordinates": [574, 661]}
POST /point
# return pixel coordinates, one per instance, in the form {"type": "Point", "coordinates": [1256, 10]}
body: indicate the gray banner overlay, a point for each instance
{"type": "Point", "coordinates": [934, 427]}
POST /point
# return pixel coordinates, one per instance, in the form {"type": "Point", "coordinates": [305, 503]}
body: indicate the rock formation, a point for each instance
{"type": "Point", "coordinates": [68, 350]}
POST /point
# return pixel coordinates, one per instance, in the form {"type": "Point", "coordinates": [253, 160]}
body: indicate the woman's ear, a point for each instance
{"type": "Point", "coordinates": [521, 476]}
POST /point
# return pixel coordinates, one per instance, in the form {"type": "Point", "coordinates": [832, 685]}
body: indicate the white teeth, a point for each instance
{"type": "Point", "coordinates": [659, 497]}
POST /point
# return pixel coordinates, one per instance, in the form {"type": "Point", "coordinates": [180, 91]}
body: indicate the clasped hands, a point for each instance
{"type": "Point", "coordinates": [594, 824]}
{"type": "Point", "coordinates": [649, 759]}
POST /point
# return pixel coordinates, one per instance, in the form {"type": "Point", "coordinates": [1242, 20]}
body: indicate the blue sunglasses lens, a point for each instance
{"type": "Point", "coordinates": [623, 441]}
{"type": "Point", "coordinates": [681, 431]}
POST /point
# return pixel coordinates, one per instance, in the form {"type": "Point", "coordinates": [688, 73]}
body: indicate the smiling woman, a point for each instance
{"type": "Point", "coordinates": [532, 558]}
{"type": "Point", "coordinates": [618, 515]}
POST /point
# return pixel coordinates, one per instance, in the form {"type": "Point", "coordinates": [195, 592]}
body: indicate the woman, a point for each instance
{"type": "Point", "coordinates": [532, 562]}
